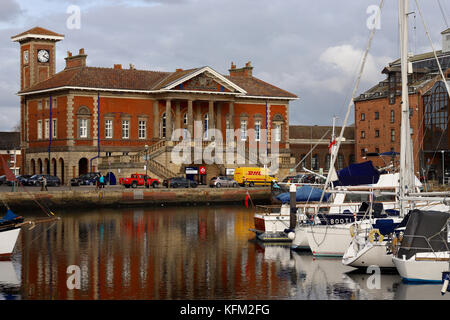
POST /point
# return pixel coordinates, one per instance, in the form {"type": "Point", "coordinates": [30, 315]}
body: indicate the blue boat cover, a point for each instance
{"type": "Point", "coordinates": [304, 194]}
{"type": "Point", "coordinates": [357, 174]}
{"type": "Point", "coordinates": [9, 216]}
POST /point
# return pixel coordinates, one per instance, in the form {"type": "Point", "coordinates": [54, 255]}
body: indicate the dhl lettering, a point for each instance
{"type": "Point", "coordinates": [254, 173]}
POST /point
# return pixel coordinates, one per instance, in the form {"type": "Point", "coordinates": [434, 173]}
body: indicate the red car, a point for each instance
{"type": "Point", "coordinates": [138, 179]}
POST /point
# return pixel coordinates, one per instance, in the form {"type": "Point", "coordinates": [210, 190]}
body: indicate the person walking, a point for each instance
{"type": "Point", "coordinates": [44, 184]}
{"type": "Point", "coordinates": [102, 181]}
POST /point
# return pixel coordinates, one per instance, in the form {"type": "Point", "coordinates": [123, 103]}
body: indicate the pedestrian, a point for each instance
{"type": "Point", "coordinates": [97, 182]}
{"type": "Point", "coordinates": [43, 184]}
{"type": "Point", "coordinates": [102, 181]}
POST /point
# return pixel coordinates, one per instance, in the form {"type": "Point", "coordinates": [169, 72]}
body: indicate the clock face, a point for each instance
{"type": "Point", "coordinates": [43, 56]}
{"type": "Point", "coordinates": [25, 56]}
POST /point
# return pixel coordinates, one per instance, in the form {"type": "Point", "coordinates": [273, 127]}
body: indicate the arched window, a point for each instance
{"type": "Point", "coordinates": [83, 122]}
{"type": "Point", "coordinates": [327, 162]}
{"type": "Point", "coordinates": [315, 162]}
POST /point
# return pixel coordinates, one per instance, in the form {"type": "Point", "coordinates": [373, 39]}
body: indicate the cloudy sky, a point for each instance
{"type": "Point", "coordinates": [310, 48]}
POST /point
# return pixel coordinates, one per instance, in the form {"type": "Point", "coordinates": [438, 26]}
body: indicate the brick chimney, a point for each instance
{"type": "Point", "coordinates": [241, 72]}
{"type": "Point", "coordinates": [118, 66]}
{"type": "Point", "coordinates": [446, 41]}
{"type": "Point", "coordinates": [76, 61]}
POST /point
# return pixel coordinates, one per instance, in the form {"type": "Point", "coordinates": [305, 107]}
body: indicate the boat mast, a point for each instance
{"type": "Point", "coordinates": [406, 165]}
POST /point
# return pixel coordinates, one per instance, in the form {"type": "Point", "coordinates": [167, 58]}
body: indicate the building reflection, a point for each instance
{"type": "Point", "coordinates": [162, 253]}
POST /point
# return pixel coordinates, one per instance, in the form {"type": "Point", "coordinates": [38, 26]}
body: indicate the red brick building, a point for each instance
{"type": "Point", "coordinates": [10, 151]}
{"type": "Point", "coordinates": [86, 118]}
{"type": "Point", "coordinates": [377, 113]}
{"type": "Point", "coordinates": [310, 144]}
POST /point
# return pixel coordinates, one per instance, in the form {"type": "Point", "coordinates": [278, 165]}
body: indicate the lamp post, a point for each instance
{"type": "Point", "coordinates": [146, 159]}
{"type": "Point", "coordinates": [443, 168]}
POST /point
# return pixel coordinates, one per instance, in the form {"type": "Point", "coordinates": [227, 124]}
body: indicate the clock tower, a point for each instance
{"type": "Point", "coordinates": [37, 55]}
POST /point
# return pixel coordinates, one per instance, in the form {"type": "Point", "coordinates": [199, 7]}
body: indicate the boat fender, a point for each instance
{"type": "Point", "coordinates": [446, 279]}
{"type": "Point", "coordinates": [372, 236]}
{"type": "Point", "coordinates": [353, 230]}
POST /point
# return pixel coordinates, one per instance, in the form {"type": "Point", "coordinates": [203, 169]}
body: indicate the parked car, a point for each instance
{"type": "Point", "coordinates": [222, 181]}
{"type": "Point", "coordinates": [138, 179]}
{"type": "Point", "coordinates": [178, 182]}
{"type": "Point", "coordinates": [20, 178]}
{"type": "Point", "coordinates": [85, 179]}
{"type": "Point", "coordinates": [36, 180]}
{"type": "Point", "coordinates": [2, 179]}
{"type": "Point", "coordinates": [300, 178]}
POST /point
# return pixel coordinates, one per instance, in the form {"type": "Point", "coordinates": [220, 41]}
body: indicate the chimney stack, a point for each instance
{"type": "Point", "coordinates": [76, 61]}
{"type": "Point", "coordinates": [446, 41]}
{"type": "Point", "coordinates": [118, 66]}
{"type": "Point", "coordinates": [246, 71]}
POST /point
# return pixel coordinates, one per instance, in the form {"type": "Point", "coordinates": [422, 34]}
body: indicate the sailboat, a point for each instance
{"type": "Point", "coordinates": [363, 250]}
{"type": "Point", "coordinates": [11, 224]}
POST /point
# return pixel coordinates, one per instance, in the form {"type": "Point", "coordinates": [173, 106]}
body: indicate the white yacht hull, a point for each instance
{"type": "Point", "coordinates": [372, 254]}
{"type": "Point", "coordinates": [300, 242]}
{"type": "Point", "coordinates": [8, 241]}
{"type": "Point", "coordinates": [328, 241]}
{"type": "Point", "coordinates": [423, 270]}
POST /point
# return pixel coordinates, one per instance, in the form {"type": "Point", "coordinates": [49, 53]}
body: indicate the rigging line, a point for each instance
{"type": "Point", "coordinates": [355, 89]}
{"type": "Point", "coordinates": [443, 13]}
{"type": "Point", "coordinates": [432, 47]}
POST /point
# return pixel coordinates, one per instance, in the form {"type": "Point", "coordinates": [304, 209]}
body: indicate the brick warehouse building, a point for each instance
{"type": "Point", "coordinates": [377, 113]}
{"type": "Point", "coordinates": [303, 139]}
{"type": "Point", "coordinates": [120, 120]}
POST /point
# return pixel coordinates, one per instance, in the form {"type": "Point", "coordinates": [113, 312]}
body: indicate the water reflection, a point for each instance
{"type": "Point", "coordinates": [176, 253]}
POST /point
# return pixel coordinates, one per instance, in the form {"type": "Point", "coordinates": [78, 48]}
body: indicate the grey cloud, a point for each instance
{"type": "Point", "coordinates": [10, 10]}
{"type": "Point", "coordinates": [283, 39]}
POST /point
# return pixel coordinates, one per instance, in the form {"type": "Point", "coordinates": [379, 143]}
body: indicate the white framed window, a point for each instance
{"type": "Point", "coordinates": [39, 105]}
{"type": "Point", "coordinates": [257, 130]}
{"type": "Point", "coordinates": [243, 130]}
{"type": "Point", "coordinates": [277, 132]}
{"type": "Point", "coordinates": [47, 129]}
{"type": "Point", "coordinates": [54, 128]}
{"type": "Point", "coordinates": [108, 129]}
{"type": "Point", "coordinates": [39, 129]}
{"type": "Point", "coordinates": [83, 128]}
{"type": "Point", "coordinates": [125, 129]}
{"type": "Point", "coordinates": [142, 129]}
{"type": "Point", "coordinates": [54, 103]}
{"type": "Point", "coordinates": [185, 119]}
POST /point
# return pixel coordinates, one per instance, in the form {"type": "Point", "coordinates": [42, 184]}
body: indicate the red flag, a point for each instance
{"type": "Point", "coordinates": [246, 200]}
{"type": "Point", "coordinates": [332, 143]}
{"type": "Point", "coordinates": [8, 173]}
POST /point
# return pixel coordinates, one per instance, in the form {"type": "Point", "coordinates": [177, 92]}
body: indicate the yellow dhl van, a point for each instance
{"type": "Point", "coordinates": [249, 176]}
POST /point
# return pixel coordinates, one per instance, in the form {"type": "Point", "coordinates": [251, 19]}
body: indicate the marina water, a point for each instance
{"type": "Point", "coordinates": [179, 253]}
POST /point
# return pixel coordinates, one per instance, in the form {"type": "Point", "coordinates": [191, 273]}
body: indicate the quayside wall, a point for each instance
{"type": "Point", "coordinates": [132, 197]}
